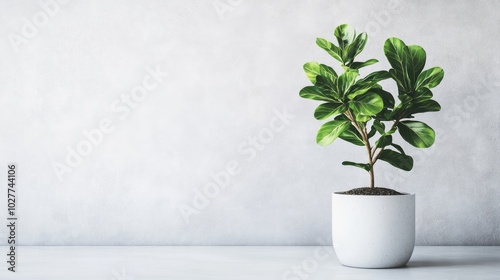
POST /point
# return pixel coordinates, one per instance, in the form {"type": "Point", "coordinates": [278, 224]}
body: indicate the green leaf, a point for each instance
{"type": "Point", "coordinates": [355, 48]}
{"type": "Point", "coordinates": [327, 71]}
{"type": "Point", "coordinates": [398, 148]}
{"type": "Point", "coordinates": [430, 77]}
{"type": "Point", "coordinates": [398, 78]}
{"type": "Point", "coordinates": [417, 62]}
{"type": "Point", "coordinates": [383, 141]}
{"type": "Point", "coordinates": [312, 70]}
{"type": "Point", "coordinates": [416, 133]}
{"type": "Point", "coordinates": [352, 135]}
{"type": "Point", "coordinates": [425, 106]}
{"type": "Point", "coordinates": [329, 131]}
{"type": "Point", "coordinates": [345, 81]}
{"type": "Point", "coordinates": [422, 94]}
{"type": "Point", "coordinates": [358, 65]}
{"type": "Point", "coordinates": [396, 52]}
{"type": "Point", "coordinates": [405, 98]}
{"type": "Point", "coordinates": [386, 97]}
{"type": "Point", "coordinates": [368, 104]}
{"type": "Point", "coordinates": [359, 88]}
{"type": "Point", "coordinates": [345, 35]}
{"type": "Point", "coordinates": [364, 166]}
{"type": "Point", "coordinates": [327, 110]}
{"type": "Point", "coordinates": [377, 76]}
{"type": "Point", "coordinates": [379, 126]}
{"type": "Point", "coordinates": [312, 92]}
{"type": "Point", "coordinates": [360, 43]}
{"type": "Point", "coordinates": [361, 118]}
{"type": "Point", "coordinates": [342, 117]}
{"type": "Point", "coordinates": [327, 87]}
{"type": "Point", "coordinates": [385, 115]}
{"type": "Point", "coordinates": [368, 83]}
{"type": "Point", "coordinates": [398, 56]}
{"type": "Point", "coordinates": [391, 131]}
{"type": "Point", "coordinates": [330, 48]}
{"type": "Point", "coordinates": [396, 159]}
{"type": "Point", "coordinates": [372, 132]}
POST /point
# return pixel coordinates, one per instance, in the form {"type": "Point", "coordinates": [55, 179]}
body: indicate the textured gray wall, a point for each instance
{"type": "Point", "coordinates": [221, 97]}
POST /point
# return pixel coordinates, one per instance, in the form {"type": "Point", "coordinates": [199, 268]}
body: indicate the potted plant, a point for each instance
{"type": "Point", "coordinates": [373, 227]}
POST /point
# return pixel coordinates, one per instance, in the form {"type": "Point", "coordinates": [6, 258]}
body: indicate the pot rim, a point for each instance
{"type": "Point", "coordinates": [402, 194]}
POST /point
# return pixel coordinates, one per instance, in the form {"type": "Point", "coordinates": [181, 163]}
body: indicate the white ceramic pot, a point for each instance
{"type": "Point", "coordinates": [373, 231]}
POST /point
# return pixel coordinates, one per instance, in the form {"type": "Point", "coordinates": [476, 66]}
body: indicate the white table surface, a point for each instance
{"type": "Point", "coordinates": [241, 262]}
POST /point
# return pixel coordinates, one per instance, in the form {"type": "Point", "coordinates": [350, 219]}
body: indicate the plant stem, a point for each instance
{"type": "Point", "coordinates": [376, 155]}
{"type": "Point", "coordinates": [374, 159]}
{"type": "Point", "coordinates": [370, 161]}
{"type": "Point", "coordinates": [354, 123]}
{"type": "Point", "coordinates": [364, 134]}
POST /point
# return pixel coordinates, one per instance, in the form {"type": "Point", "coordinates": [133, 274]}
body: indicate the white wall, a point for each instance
{"type": "Point", "coordinates": [232, 70]}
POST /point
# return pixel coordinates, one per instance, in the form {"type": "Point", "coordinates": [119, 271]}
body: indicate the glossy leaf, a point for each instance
{"type": "Point", "coordinates": [386, 97]}
{"type": "Point", "coordinates": [368, 83]}
{"type": "Point", "coordinates": [359, 88]}
{"type": "Point", "coordinates": [364, 166]}
{"type": "Point", "coordinates": [430, 77]}
{"type": "Point", "coordinates": [345, 35]}
{"type": "Point", "coordinates": [345, 81]}
{"type": "Point", "coordinates": [417, 62]}
{"type": "Point", "coordinates": [399, 111]}
{"type": "Point", "coordinates": [397, 54]}
{"type": "Point", "coordinates": [311, 92]}
{"type": "Point", "coordinates": [354, 48]}
{"type": "Point", "coordinates": [329, 131]}
{"type": "Point", "coordinates": [396, 159]}
{"type": "Point", "coordinates": [352, 135]}
{"type": "Point", "coordinates": [417, 133]}
{"type": "Point", "coordinates": [385, 115]}
{"type": "Point", "coordinates": [328, 72]}
{"type": "Point", "coordinates": [368, 104]}
{"type": "Point", "coordinates": [379, 126]}
{"type": "Point", "coordinates": [330, 48]}
{"type": "Point", "coordinates": [422, 94]}
{"type": "Point", "coordinates": [342, 117]}
{"type": "Point", "coordinates": [312, 69]}
{"type": "Point", "coordinates": [383, 141]}
{"type": "Point", "coordinates": [358, 65]}
{"type": "Point", "coordinates": [372, 132]}
{"type": "Point", "coordinates": [327, 110]}
{"type": "Point", "coordinates": [360, 43]}
{"type": "Point", "coordinates": [326, 87]}
{"type": "Point", "coordinates": [362, 118]}
{"type": "Point", "coordinates": [377, 76]}
{"type": "Point", "coordinates": [425, 106]}
{"type": "Point", "coordinates": [398, 148]}
{"type": "Point", "coordinates": [391, 131]}
{"type": "Point", "coordinates": [399, 79]}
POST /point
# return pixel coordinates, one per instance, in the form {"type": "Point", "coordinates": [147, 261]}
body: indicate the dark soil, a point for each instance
{"type": "Point", "coordinates": [372, 191]}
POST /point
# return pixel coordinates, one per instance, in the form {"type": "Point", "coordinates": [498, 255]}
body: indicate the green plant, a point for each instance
{"type": "Point", "coordinates": [360, 108]}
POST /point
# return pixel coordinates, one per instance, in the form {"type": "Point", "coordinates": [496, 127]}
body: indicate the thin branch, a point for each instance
{"type": "Point", "coordinates": [375, 158]}
{"type": "Point", "coordinates": [356, 125]}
